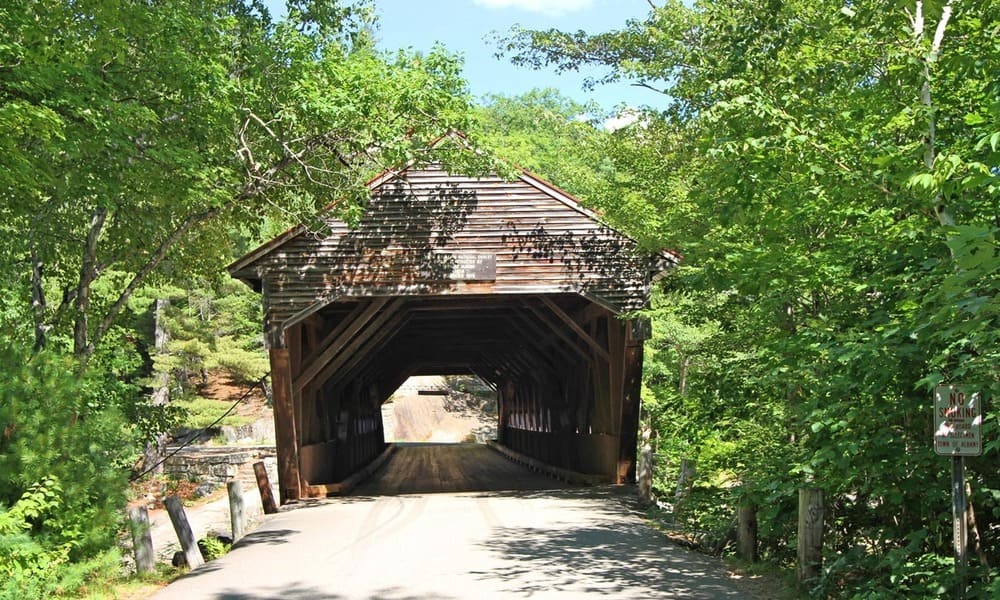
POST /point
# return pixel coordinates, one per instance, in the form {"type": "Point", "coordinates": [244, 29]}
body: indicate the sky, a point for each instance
{"type": "Point", "coordinates": [466, 26]}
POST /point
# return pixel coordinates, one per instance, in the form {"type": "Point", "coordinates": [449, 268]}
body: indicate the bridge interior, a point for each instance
{"type": "Point", "coordinates": [565, 370]}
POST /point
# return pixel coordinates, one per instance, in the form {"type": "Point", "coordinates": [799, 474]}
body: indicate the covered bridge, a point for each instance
{"type": "Point", "coordinates": [512, 281]}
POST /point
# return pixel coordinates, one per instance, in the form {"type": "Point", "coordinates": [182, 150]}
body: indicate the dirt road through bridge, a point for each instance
{"type": "Point", "coordinates": [429, 541]}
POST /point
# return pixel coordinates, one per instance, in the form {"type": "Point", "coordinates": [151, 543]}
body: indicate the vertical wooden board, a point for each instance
{"type": "Point", "coordinates": [630, 409]}
{"type": "Point", "coordinates": [316, 415]}
{"type": "Point", "coordinates": [294, 341]}
{"type": "Point", "coordinates": [616, 366]}
{"type": "Point", "coordinates": [312, 329]}
{"type": "Point", "coordinates": [602, 420]}
{"type": "Point", "coordinates": [286, 438]}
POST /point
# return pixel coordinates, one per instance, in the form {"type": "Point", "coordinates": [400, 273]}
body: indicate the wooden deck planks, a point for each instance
{"type": "Point", "coordinates": [436, 468]}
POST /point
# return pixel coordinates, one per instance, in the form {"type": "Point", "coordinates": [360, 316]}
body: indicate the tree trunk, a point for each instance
{"type": "Point", "coordinates": [685, 479]}
{"type": "Point", "coordinates": [38, 300]}
{"type": "Point", "coordinates": [977, 540]}
{"type": "Point", "coordinates": [82, 347]}
{"type": "Point", "coordinates": [944, 216]}
{"type": "Point", "coordinates": [153, 453]}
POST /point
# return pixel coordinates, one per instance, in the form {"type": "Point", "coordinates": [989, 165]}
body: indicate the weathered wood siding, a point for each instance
{"type": "Point", "coordinates": [421, 226]}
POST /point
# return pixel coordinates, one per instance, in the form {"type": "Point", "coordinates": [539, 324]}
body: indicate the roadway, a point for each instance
{"type": "Point", "coordinates": [434, 523]}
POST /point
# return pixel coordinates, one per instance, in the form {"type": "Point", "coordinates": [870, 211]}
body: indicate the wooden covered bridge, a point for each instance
{"type": "Point", "coordinates": [512, 281]}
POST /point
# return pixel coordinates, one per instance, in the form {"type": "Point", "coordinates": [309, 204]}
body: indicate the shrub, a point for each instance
{"type": "Point", "coordinates": [64, 452]}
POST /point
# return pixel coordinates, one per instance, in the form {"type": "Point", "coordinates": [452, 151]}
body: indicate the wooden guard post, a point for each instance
{"type": "Point", "coordinates": [237, 516]}
{"type": "Point", "coordinates": [810, 550]}
{"type": "Point", "coordinates": [264, 486]}
{"type": "Point", "coordinates": [286, 436]}
{"type": "Point", "coordinates": [184, 534]}
{"type": "Point", "coordinates": [746, 533]}
{"type": "Point", "coordinates": [142, 541]}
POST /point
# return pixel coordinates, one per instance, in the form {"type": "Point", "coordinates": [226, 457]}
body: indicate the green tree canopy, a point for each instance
{"type": "Point", "coordinates": [830, 173]}
{"type": "Point", "coordinates": [139, 132]}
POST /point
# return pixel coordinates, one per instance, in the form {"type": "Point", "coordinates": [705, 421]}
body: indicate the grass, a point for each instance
{"type": "Point", "coordinates": [763, 580]}
{"type": "Point", "coordinates": [766, 580]}
{"type": "Point", "coordinates": [135, 587]}
{"type": "Point", "coordinates": [201, 412]}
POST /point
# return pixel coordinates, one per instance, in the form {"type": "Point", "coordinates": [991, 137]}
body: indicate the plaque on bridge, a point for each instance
{"type": "Point", "coordinates": [474, 266]}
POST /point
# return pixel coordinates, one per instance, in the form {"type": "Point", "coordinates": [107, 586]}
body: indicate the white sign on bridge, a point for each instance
{"type": "Point", "coordinates": [958, 419]}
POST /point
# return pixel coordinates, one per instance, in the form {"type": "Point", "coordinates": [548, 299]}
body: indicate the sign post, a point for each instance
{"type": "Point", "coordinates": [958, 419]}
{"type": "Point", "coordinates": [959, 525]}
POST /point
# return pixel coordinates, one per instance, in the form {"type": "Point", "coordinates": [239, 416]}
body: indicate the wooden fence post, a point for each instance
{"type": "Point", "coordinates": [142, 541]}
{"type": "Point", "coordinates": [645, 475]}
{"type": "Point", "coordinates": [237, 516]}
{"type": "Point", "coordinates": [746, 533]}
{"type": "Point", "coordinates": [190, 546]}
{"type": "Point", "coordinates": [266, 496]}
{"type": "Point", "coordinates": [810, 550]}
{"type": "Point", "coordinates": [685, 479]}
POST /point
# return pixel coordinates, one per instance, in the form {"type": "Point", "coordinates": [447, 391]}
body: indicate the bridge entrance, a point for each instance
{"type": "Point", "coordinates": [510, 281]}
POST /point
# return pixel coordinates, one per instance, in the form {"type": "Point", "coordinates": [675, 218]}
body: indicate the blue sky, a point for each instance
{"type": "Point", "coordinates": [462, 25]}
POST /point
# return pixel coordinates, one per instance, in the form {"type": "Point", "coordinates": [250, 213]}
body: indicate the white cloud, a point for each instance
{"type": "Point", "coordinates": [552, 8]}
{"type": "Point", "coordinates": [622, 119]}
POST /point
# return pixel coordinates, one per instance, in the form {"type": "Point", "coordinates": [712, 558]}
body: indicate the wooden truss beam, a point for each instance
{"type": "Point", "coordinates": [559, 331]}
{"type": "Point", "coordinates": [354, 342]}
{"type": "Point", "coordinates": [333, 343]}
{"type": "Point", "coordinates": [349, 363]}
{"type": "Point", "coordinates": [568, 320]}
{"type": "Point", "coordinates": [519, 317]}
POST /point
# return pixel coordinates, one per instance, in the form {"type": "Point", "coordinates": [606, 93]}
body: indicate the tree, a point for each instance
{"type": "Point", "coordinates": [829, 172]}
{"type": "Point", "coordinates": [548, 134]}
{"type": "Point", "coordinates": [139, 132]}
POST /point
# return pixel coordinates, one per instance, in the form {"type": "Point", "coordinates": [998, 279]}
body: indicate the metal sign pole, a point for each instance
{"type": "Point", "coordinates": [958, 507]}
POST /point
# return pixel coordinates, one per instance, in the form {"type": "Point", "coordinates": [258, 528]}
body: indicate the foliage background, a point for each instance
{"type": "Point", "coordinates": [829, 171]}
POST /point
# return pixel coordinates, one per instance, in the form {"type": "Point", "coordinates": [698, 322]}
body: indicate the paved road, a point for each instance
{"type": "Point", "coordinates": [530, 542]}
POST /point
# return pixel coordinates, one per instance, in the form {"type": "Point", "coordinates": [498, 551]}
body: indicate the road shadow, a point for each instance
{"type": "Point", "coordinates": [283, 593]}
{"type": "Point", "coordinates": [603, 557]}
{"type": "Point", "coordinates": [314, 593]}
{"type": "Point", "coordinates": [268, 537]}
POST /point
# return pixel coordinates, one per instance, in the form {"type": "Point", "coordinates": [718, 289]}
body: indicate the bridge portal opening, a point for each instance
{"type": "Point", "coordinates": [444, 409]}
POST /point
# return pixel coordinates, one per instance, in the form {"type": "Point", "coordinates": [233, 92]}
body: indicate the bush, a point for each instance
{"type": "Point", "coordinates": [198, 412]}
{"type": "Point", "coordinates": [32, 567]}
{"type": "Point", "coordinates": [64, 453]}
{"type": "Point", "coordinates": [212, 547]}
